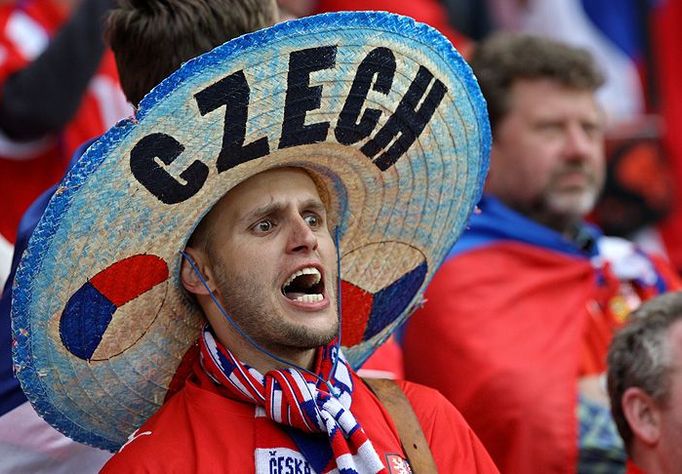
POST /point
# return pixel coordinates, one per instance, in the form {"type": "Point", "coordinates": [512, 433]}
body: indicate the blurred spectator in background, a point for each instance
{"type": "Point", "coordinates": [636, 43]}
{"type": "Point", "coordinates": [645, 386]}
{"type": "Point", "coordinates": [58, 88]}
{"type": "Point", "coordinates": [431, 12]}
{"type": "Point", "coordinates": [519, 317]}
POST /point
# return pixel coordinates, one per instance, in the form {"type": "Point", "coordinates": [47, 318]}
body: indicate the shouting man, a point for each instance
{"type": "Point", "coordinates": [187, 294]}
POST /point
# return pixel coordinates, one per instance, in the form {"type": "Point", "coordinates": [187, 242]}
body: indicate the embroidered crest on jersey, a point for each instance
{"type": "Point", "coordinates": [397, 465]}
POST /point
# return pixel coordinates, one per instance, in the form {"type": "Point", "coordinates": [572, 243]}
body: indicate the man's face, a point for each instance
{"type": "Point", "coordinates": [547, 158]}
{"type": "Point", "coordinates": [275, 261]}
{"type": "Point", "coordinates": [671, 411]}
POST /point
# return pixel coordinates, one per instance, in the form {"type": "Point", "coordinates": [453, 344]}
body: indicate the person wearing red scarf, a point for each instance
{"type": "Point", "coordinates": [273, 212]}
{"type": "Point", "coordinates": [276, 377]}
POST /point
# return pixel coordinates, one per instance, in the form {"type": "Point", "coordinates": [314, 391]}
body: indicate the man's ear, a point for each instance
{"type": "Point", "coordinates": [188, 273]}
{"type": "Point", "coordinates": [642, 414]}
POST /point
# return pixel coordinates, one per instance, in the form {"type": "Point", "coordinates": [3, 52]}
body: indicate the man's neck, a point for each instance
{"type": "Point", "coordinates": [264, 363]}
{"type": "Point", "coordinates": [646, 460]}
{"type": "Point", "coordinates": [261, 360]}
{"type": "Point", "coordinates": [569, 226]}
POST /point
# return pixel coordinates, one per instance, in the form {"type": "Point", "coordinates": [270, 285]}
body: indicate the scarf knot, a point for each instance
{"type": "Point", "coordinates": [312, 403]}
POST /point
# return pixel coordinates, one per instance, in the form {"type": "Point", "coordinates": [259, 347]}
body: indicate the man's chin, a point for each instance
{"type": "Point", "coordinates": [309, 336]}
{"type": "Point", "coordinates": [571, 204]}
{"type": "Point", "coordinates": [305, 340]}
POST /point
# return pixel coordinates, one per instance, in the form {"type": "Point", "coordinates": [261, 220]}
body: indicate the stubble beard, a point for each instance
{"type": "Point", "coordinates": [566, 207]}
{"type": "Point", "coordinates": [247, 307]}
{"type": "Point", "coordinates": [571, 204]}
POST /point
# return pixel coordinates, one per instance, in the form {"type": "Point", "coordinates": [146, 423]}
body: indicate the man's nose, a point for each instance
{"type": "Point", "coordinates": [578, 144]}
{"type": "Point", "coordinates": [301, 237]}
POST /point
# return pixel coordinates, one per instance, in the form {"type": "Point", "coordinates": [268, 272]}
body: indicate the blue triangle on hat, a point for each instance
{"type": "Point", "coordinates": [390, 302]}
{"type": "Point", "coordinates": [85, 319]}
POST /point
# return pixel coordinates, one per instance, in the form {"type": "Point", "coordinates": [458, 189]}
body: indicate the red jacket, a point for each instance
{"type": "Point", "coordinates": [199, 430]}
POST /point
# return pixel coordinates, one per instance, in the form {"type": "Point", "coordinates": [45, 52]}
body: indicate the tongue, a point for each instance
{"type": "Point", "coordinates": [292, 295]}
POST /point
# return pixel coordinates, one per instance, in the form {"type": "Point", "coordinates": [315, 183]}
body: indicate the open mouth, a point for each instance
{"type": "Point", "coordinates": [304, 285]}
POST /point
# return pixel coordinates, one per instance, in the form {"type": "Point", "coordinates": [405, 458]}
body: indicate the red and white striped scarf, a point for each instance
{"type": "Point", "coordinates": [299, 400]}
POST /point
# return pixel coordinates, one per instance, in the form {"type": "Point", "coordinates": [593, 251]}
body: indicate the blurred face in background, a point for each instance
{"type": "Point", "coordinates": [547, 159]}
{"type": "Point", "coordinates": [670, 444]}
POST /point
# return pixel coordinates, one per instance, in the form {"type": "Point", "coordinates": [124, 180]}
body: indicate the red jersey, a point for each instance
{"type": "Point", "coordinates": [199, 430]}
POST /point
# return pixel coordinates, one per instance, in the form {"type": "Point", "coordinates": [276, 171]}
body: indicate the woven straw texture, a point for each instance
{"type": "Point", "coordinates": [100, 322]}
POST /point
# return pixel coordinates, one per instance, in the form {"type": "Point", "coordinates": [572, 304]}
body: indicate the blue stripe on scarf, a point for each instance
{"type": "Point", "coordinates": [314, 446]}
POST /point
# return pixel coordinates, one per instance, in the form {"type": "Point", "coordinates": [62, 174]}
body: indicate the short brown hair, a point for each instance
{"type": "Point", "coordinates": [640, 357]}
{"type": "Point", "coordinates": [152, 38]}
{"type": "Point", "coordinates": [504, 58]}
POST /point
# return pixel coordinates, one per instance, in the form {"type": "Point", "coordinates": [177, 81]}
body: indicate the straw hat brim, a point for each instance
{"type": "Point", "coordinates": [99, 317]}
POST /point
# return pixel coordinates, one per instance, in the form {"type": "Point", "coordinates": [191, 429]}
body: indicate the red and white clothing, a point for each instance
{"type": "Point", "coordinates": [199, 429]}
{"type": "Point", "coordinates": [38, 43]}
{"type": "Point", "coordinates": [27, 168]}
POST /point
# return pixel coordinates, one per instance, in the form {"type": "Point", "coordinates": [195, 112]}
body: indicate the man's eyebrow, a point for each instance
{"type": "Point", "coordinates": [314, 204]}
{"type": "Point", "coordinates": [267, 209]}
{"type": "Point", "coordinates": [275, 207]}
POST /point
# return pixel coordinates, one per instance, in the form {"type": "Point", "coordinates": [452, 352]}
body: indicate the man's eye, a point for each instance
{"type": "Point", "coordinates": [312, 220]}
{"type": "Point", "coordinates": [550, 127]}
{"type": "Point", "coordinates": [263, 226]}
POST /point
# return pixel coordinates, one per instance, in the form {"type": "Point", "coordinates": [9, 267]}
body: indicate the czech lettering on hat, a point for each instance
{"type": "Point", "coordinates": [374, 74]}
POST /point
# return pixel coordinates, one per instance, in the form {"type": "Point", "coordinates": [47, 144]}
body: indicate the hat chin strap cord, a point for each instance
{"type": "Point", "coordinates": [257, 346]}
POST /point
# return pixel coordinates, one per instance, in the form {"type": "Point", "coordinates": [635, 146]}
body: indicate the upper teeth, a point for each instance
{"type": "Point", "coordinates": [304, 271]}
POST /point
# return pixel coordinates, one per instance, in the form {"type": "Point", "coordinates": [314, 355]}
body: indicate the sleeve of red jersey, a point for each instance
{"type": "Point", "coordinates": [162, 444]}
{"type": "Point", "coordinates": [455, 447]}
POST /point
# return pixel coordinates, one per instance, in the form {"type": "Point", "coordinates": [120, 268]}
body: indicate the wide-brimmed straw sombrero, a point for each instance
{"type": "Point", "coordinates": [380, 109]}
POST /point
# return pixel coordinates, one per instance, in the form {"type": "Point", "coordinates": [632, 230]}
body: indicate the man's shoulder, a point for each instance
{"type": "Point", "coordinates": [160, 442]}
{"type": "Point", "coordinates": [454, 445]}
{"type": "Point", "coordinates": [186, 433]}
{"type": "Point", "coordinates": [496, 227]}
{"type": "Point", "coordinates": [427, 402]}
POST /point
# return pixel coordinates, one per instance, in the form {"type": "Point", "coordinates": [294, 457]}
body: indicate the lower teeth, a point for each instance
{"type": "Point", "coordinates": [309, 298]}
